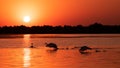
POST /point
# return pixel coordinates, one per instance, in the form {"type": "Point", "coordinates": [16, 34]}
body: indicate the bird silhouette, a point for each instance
{"type": "Point", "coordinates": [51, 45]}
{"type": "Point", "coordinates": [84, 48]}
{"type": "Point", "coordinates": [32, 46]}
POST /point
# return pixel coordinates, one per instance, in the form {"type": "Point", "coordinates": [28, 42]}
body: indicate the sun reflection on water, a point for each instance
{"type": "Point", "coordinates": [26, 40]}
{"type": "Point", "coordinates": [27, 57]}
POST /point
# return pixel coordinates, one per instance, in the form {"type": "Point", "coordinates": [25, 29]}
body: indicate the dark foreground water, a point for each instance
{"type": "Point", "coordinates": [15, 51]}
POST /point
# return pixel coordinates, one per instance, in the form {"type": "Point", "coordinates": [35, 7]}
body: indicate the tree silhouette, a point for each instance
{"type": "Point", "coordinates": [47, 29]}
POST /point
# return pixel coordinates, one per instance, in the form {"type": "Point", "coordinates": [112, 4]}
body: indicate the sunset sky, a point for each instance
{"type": "Point", "coordinates": [59, 12]}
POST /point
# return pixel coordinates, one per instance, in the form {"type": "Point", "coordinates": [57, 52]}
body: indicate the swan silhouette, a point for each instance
{"type": "Point", "coordinates": [51, 45]}
{"type": "Point", "coordinates": [32, 46]}
{"type": "Point", "coordinates": [84, 48]}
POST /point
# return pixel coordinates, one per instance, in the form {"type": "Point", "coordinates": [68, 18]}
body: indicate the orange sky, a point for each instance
{"type": "Point", "coordinates": [59, 12]}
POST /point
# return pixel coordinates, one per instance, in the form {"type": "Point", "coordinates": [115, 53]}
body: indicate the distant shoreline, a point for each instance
{"type": "Point", "coordinates": [95, 28]}
{"type": "Point", "coordinates": [53, 33]}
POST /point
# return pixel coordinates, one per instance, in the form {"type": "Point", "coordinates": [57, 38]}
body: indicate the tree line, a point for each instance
{"type": "Point", "coordinates": [95, 28]}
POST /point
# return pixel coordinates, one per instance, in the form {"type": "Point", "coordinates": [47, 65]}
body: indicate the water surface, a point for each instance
{"type": "Point", "coordinates": [15, 51]}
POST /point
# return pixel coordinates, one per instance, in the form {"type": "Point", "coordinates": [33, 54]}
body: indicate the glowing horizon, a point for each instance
{"type": "Point", "coordinates": [59, 12]}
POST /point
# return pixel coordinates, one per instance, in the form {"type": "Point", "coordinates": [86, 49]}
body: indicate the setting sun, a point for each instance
{"type": "Point", "coordinates": [26, 19]}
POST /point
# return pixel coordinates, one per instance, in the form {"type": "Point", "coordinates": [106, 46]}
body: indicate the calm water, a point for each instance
{"type": "Point", "coordinates": [15, 51]}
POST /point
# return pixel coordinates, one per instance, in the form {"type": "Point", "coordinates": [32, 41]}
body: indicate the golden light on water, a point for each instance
{"type": "Point", "coordinates": [26, 51]}
{"type": "Point", "coordinates": [26, 58]}
{"type": "Point", "coordinates": [27, 40]}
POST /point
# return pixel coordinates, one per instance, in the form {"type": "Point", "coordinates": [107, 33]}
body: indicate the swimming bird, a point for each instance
{"type": "Point", "coordinates": [97, 51]}
{"type": "Point", "coordinates": [32, 46]}
{"type": "Point", "coordinates": [84, 48]}
{"type": "Point", "coordinates": [51, 45]}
